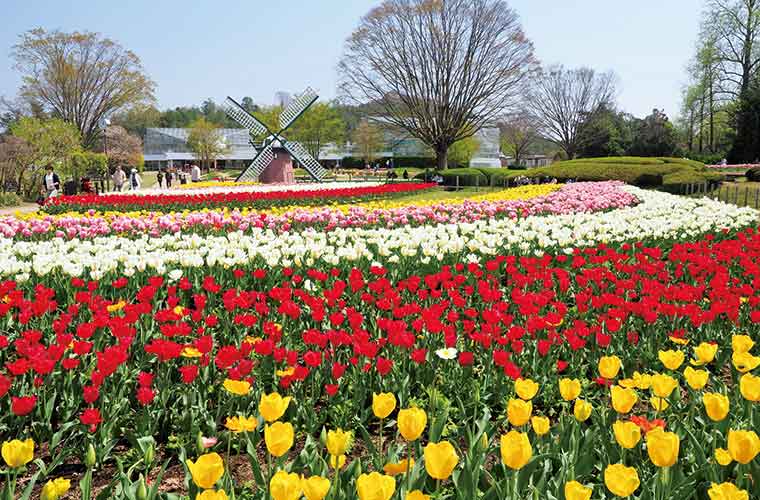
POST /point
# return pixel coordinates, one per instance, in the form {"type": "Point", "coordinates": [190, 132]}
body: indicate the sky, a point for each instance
{"type": "Point", "coordinates": [198, 49]}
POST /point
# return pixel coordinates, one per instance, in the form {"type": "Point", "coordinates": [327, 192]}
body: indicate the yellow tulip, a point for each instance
{"type": "Point", "coordinates": [337, 462]}
{"type": "Point", "coordinates": [722, 456]}
{"type": "Point", "coordinates": [576, 491]}
{"type": "Point", "coordinates": [540, 425]}
{"type": "Point", "coordinates": [671, 359]}
{"type": "Point", "coordinates": [519, 411]}
{"type": "Point", "coordinates": [383, 404]}
{"type": "Point", "coordinates": [638, 381]}
{"type": "Point", "coordinates": [662, 447]}
{"type": "Point", "coordinates": [642, 382]}
{"type": "Point", "coordinates": [726, 491]}
{"type": "Point", "coordinates": [416, 495]}
{"type": "Point", "coordinates": [18, 453]}
{"type": "Point", "coordinates": [716, 406]}
{"type": "Point", "coordinates": [741, 343]}
{"type": "Point", "coordinates": [623, 399]}
{"type": "Point", "coordinates": [241, 424]}
{"type": "Point", "coordinates": [55, 489]}
{"type": "Point", "coordinates": [526, 388]}
{"type": "Point", "coordinates": [745, 362]}
{"type": "Point", "coordinates": [440, 459]}
{"type": "Point", "coordinates": [569, 389]}
{"type": "Point", "coordinates": [743, 445]}
{"type": "Point", "coordinates": [411, 422]}
{"type": "Point", "coordinates": [207, 470]}
{"type": "Point", "coordinates": [609, 366]}
{"type": "Point", "coordinates": [627, 434]}
{"type": "Point", "coordinates": [663, 385]}
{"type": "Point", "coordinates": [237, 387]}
{"type": "Point", "coordinates": [284, 486]}
{"type": "Point", "coordinates": [273, 406]}
{"type": "Point", "coordinates": [704, 353]}
{"type": "Point", "coordinates": [212, 495]}
{"type": "Point", "coordinates": [337, 442]}
{"type": "Point", "coordinates": [749, 385]}
{"type": "Point", "coordinates": [697, 379]}
{"type": "Point", "coordinates": [621, 480]}
{"type": "Point", "coordinates": [659, 404]}
{"type": "Point", "coordinates": [315, 487]}
{"type": "Point", "coordinates": [278, 438]}
{"type": "Point", "coordinates": [582, 410]}
{"type": "Point", "coordinates": [516, 450]}
{"type": "Point", "coordinates": [375, 486]}
{"type": "Point", "coordinates": [396, 468]}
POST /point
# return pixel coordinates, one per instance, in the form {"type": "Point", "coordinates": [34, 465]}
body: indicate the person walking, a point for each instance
{"type": "Point", "coordinates": [160, 179]}
{"type": "Point", "coordinates": [135, 182]}
{"type": "Point", "coordinates": [52, 182]}
{"type": "Point", "coordinates": [195, 173]}
{"type": "Point", "coordinates": [119, 178]}
{"type": "Point", "coordinates": [169, 176]}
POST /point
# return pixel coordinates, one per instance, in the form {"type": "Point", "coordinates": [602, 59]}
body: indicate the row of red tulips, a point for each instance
{"type": "Point", "coordinates": [231, 199]}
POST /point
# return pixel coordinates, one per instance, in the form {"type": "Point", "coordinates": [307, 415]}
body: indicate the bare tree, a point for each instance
{"type": "Point", "coordinates": [80, 77]}
{"type": "Point", "coordinates": [518, 135]}
{"type": "Point", "coordinates": [734, 25]}
{"type": "Point", "coordinates": [440, 70]}
{"type": "Point", "coordinates": [560, 100]}
{"type": "Point", "coordinates": [121, 147]}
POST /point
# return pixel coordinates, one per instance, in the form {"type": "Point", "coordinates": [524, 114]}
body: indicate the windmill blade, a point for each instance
{"type": "Point", "coordinates": [308, 162]}
{"type": "Point", "coordinates": [261, 161]}
{"type": "Point", "coordinates": [243, 117]}
{"type": "Point", "coordinates": [297, 107]}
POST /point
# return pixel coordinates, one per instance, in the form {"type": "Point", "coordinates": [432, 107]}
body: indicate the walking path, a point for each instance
{"type": "Point", "coordinates": [24, 208]}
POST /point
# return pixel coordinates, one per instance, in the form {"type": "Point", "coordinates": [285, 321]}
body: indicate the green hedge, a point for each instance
{"type": "Point", "coordinates": [671, 174]}
{"type": "Point", "coordinates": [753, 174]}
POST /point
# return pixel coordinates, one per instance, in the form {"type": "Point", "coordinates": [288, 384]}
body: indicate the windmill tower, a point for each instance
{"type": "Point", "coordinates": [274, 157]}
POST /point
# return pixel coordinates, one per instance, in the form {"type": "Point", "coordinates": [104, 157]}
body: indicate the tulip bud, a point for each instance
{"type": "Point", "coordinates": [199, 443]}
{"type": "Point", "coordinates": [142, 491]}
{"type": "Point", "coordinates": [150, 453]}
{"type": "Point", "coordinates": [90, 458]}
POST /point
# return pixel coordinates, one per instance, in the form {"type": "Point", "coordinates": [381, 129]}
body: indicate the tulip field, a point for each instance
{"type": "Point", "coordinates": [551, 342]}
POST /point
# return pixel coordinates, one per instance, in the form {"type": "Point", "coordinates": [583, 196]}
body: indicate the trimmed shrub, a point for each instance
{"type": "Point", "coordinates": [753, 174]}
{"type": "Point", "coordinates": [490, 171]}
{"type": "Point", "coordinates": [671, 174]}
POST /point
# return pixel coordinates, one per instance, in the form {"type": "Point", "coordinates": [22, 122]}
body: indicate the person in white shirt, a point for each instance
{"type": "Point", "coordinates": [52, 182]}
{"type": "Point", "coordinates": [195, 173]}
{"type": "Point", "coordinates": [135, 182]}
{"type": "Point", "coordinates": [119, 178]}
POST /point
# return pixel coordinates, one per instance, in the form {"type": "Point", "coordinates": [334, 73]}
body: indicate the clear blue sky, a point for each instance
{"type": "Point", "coordinates": [199, 49]}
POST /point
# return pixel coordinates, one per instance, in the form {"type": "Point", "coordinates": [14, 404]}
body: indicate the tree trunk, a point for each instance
{"type": "Point", "coordinates": [711, 110]}
{"type": "Point", "coordinates": [442, 157]}
{"type": "Point", "coordinates": [690, 136]}
{"type": "Point", "coordinates": [701, 122]}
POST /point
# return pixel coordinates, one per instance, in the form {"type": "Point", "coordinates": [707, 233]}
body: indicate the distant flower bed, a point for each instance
{"type": "Point", "coordinates": [173, 201]}
{"type": "Point", "coordinates": [216, 183]}
{"type": "Point", "coordinates": [515, 202]}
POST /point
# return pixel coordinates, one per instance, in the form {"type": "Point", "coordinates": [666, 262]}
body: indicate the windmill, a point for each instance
{"type": "Point", "coordinates": [274, 156]}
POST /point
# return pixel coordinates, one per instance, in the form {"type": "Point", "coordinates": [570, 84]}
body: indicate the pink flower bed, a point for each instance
{"type": "Point", "coordinates": [571, 198]}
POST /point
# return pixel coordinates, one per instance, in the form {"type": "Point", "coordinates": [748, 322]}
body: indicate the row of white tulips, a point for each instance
{"type": "Point", "coordinates": [659, 216]}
